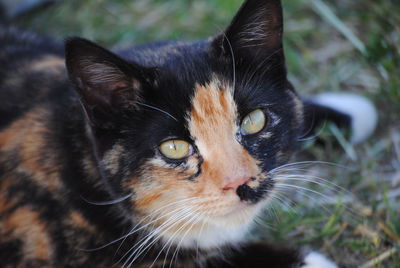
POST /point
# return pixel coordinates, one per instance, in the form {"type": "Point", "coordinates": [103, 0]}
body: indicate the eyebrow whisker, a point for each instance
{"type": "Point", "coordinates": [157, 109]}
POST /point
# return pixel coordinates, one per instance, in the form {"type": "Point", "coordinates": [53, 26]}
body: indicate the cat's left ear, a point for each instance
{"type": "Point", "coordinates": [107, 84]}
{"type": "Point", "coordinates": [255, 32]}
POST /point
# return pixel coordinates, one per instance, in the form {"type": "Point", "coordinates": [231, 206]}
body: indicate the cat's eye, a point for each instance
{"type": "Point", "coordinates": [253, 123]}
{"type": "Point", "coordinates": [176, 149]}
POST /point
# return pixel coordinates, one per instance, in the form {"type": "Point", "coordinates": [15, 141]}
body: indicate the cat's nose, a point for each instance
{"type": "Point", "coordinates": [233, 184]}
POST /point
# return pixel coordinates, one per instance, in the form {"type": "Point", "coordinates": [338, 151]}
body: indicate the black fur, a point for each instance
{"type": "Point", "coordinates": [109, 98]}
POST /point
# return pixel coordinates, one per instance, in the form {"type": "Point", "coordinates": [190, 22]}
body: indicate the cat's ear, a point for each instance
{"type": "Point", "coordinates": [107, 84]}
{"type": "Point", "coordinates": [255, 32]}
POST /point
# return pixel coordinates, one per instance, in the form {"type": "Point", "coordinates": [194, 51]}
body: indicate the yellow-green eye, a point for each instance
{"type": "Point", "coordinates": [175, 149]}
{"type": "Point", "coordinates": [253, 122]}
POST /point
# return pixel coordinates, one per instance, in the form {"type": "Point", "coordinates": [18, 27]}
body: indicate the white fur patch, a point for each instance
{"type": "Point", "coordinates": [362, 111]}
{"type": "Point", "coordinates": [317, 260]}
{"type": "Point", "coordinates": [216, 236]}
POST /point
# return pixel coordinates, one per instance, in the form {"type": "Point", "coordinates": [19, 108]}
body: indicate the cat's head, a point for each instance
{"type": "Point", "coordinates": [193, 130]}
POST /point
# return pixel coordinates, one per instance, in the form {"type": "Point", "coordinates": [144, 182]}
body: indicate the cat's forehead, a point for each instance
{"type": "Point", "coordinates": [189, 76]}
{"type": "Point", "coordinates": [213, 111]}
{"type": "Point", "coordinates": [196, 85]}
{"type": "Point", "coordinates": [177, 56]}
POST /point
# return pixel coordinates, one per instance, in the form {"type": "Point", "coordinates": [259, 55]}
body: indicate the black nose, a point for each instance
{"type": "Point", "coordinates": [254, 195]}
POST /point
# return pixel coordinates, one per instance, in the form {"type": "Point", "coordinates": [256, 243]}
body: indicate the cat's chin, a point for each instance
{"type": "Point", "coordinates": [241, 214]}
{"type": "Point", "coordinates": [214, 232]}
{"type": "Point", "coordinates": [209, 236]}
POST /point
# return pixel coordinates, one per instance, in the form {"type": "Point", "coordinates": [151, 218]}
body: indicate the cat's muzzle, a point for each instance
{"type": "Point", "coordinates": [254, 195]}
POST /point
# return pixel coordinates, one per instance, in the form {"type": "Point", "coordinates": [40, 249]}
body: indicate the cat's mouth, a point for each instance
{"type": "Point", "coordinates": [211, 221]}
{"type": "Point", "coordinates": [252, 197]}
{"type": "Point", "coordinates": [229, 218]}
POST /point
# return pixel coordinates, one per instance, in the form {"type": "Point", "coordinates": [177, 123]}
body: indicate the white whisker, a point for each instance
{"type": "Point", "coordinates": [310, 196]}
{"type": "Point", "coordinates": [316, 135]}
{"type": "Point", "coordinates": [302, 188]}
{"type": "Point", "coordinates": [313, 179]}
{"type": "Point", "coordinates": [305, 164]}
{"type": "Point", "coordinates": [151, 223]}
{"type": "Point", "coordinates": [197, 241]}
{"type": "Point", "coordinates": [325, 184]}
{"type": "Point", "coordinates": [155, 235]}
{"type": "Point", "coordinates": [151, 234]}
{"type": "Point", "coordinates": [263, 224]}
{"type": "Point", "coordinates": [175, 255]}
{"type": "Point", "coordinates": [157, 109]}
{"type": "Point", "coordinates": [134, 230]}
{"type": "Point", "coordinates": [233, 62]}
{"type": "Point", "coordinates": [170, 240]}
{"type": "Point", "coordinates": [278, 197]}
{"type": "Point", "coordinates": [106, 203]}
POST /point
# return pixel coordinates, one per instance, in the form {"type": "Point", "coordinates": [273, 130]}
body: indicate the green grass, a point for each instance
{"type": "Point", "coordinates": [352, 46]}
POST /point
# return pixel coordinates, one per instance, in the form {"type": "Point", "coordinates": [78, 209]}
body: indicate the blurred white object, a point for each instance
{"type": "Point", "coordinates": [363, 114]}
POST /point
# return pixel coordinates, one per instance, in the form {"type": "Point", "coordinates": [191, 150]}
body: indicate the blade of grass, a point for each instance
{"type": "Point", "coordinates": [347, 146]}
{"type": "Point", "coordinates": [326, 13]}
{"type": "Point", "coordinates": [380, 258]}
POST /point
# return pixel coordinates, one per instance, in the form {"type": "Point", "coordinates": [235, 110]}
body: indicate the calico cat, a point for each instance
{"type": "Point", "coordinates": [160, 155]}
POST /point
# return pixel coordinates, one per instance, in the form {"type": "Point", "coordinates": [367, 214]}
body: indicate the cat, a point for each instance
{"type": "Point", "coordinates": [157, 155]}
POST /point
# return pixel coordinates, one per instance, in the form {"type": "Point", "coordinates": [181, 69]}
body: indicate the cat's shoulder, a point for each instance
{"type": "Point", "coordinates": [34, 73]}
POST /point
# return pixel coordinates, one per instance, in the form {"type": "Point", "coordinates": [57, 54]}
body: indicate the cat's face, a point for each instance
{"type": "Point", "coordinates": [193, 130]}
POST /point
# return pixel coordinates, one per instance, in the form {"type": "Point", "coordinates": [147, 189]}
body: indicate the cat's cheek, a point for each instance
{"type": "Point", "coordinates": [152, 195]}
{"type": "Point", "coordinates": [158, 186]}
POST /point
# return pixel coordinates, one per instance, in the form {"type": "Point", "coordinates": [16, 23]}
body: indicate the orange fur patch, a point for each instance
{"type": "Point", "coordinates": [112, 157]}
{"type": "Point", "coordinates": [28, 136]}
{"type": "Point", "coordinates": [165, 188]}
{"type": "Point", "coordinates": [213, 125]}
{"type": "Point", "coordinates": [5, 204]}
{"type": "Point", "coordinates": [158, 183]}
{"type": "Point", "coordinates": [79, 221]}
{"type": "Point", "coordinates": [48, 63]}
{"type": "Point", "coordinates": [24, 224]}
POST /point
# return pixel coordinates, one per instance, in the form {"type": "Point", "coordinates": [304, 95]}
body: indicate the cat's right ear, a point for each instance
{"type": "Point", "coordinates": [255, 32]}
{"type": "Point", "coordinates": [107, 84]}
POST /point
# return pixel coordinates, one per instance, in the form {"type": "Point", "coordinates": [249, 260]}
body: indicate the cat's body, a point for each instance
{"type": "Point", "coordinates": [64, 153]}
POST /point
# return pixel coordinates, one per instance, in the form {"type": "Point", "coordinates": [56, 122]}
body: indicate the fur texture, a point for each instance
{"type": "Point", "coordinates": [83, 182]}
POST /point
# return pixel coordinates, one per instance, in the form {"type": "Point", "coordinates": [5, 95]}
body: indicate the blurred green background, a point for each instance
{"type": "Point", "coordinates": [350, 46]}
